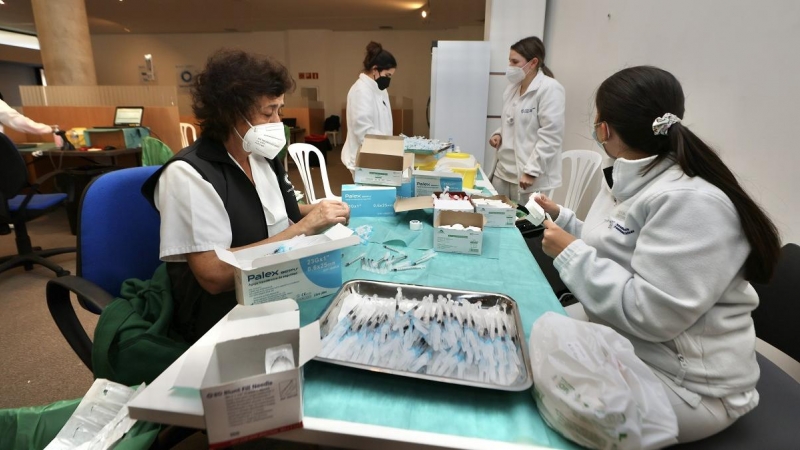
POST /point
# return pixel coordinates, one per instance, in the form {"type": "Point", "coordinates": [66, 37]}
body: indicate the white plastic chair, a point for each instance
{"type": "Point", "coordinates": [186, 128]}
{"type": "Point", "coordinates": [583, 165]}
{"type": "Point", "coordinates": [300, 155]}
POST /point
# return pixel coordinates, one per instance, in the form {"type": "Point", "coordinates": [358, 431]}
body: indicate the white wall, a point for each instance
{"type": "Point", "coordinates": [738, 64]}
{"type": "Point", "coordinates": [335, 55]}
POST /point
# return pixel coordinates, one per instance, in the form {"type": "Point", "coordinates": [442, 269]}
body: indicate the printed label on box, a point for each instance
{"type": "Point", "coordinates": [303, 279]}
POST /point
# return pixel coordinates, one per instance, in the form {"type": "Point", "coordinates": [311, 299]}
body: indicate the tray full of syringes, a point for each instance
{"type": "Point", "coordinates": [444, 335]}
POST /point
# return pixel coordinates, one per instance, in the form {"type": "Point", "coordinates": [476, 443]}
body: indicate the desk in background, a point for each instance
{"type": "Point", "coordinates": [296, 134]}
{"type": "Point", "coordinates": [354, 408]}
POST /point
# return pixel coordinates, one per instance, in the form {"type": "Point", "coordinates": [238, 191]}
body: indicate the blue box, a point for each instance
{"type": "Point", "coordinates": [369, 201]}
{"type": "Point", "coordinates": [427, 182]}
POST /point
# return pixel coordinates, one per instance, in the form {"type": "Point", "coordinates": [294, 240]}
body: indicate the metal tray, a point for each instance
{"type": "Point", "coordinates": [329, 320]}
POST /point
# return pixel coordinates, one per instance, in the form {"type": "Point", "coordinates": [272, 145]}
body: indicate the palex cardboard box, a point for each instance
{"type": "Point", "coordinates": [427, 182]}
{"type": "Point", "coordinates": [311, 269]}
{"type": "Point", "coordinates": [369, 201]}
{"type": "Point", "coordinates": [496, 216]}
{"type": "Point", "coordinates": [458, 241]}
{"type": "Point", "coordinates": [245, 395]}
{"type": "Point", "coordinates": [381, 161]}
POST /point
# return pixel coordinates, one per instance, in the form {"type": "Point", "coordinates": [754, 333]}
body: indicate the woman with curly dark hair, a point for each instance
{"type": "Point", "coordinates": [227, 189]}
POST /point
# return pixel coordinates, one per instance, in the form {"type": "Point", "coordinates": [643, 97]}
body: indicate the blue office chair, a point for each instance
{"type": "Point", "coordinates": [19, 204]}
{"type": "Point", "coordinates": [118, 238]}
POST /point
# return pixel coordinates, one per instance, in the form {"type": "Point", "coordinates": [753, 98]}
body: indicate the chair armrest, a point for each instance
{"type": "Point", "coordinates": [63, 312]}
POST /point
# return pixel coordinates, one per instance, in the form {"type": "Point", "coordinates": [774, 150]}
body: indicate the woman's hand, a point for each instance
{"type": "Point", "coordinates": [496, 140]}
{"type": "Point", "coordinates": [555, 239]}
{"type": "Point", "coordinates": [526, 181]}
{"type": "Point", "coordinates": [324, 215]}
{"type": "Point", "coordinates": [549, 206]}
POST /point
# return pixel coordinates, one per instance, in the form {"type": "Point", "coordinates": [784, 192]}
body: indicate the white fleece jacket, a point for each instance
{"type": "Point", "coordinates": [660, 259]}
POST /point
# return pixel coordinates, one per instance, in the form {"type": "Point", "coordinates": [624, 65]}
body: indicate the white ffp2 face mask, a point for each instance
{"type": "Point", "coordinates": [516, 74]}
{"type": "Point", "coordinates": [267, 139]}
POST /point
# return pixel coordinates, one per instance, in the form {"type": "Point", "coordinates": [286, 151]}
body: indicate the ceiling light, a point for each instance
{"type": "Point", "coordinates": [424, 13]}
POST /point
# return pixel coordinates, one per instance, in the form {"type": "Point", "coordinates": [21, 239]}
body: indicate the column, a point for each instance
{"type": "Point", "coordinates": [63, 31]}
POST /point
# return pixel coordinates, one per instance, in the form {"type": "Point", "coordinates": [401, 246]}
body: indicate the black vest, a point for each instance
{"type": "Point", "coordinates": [196, 310]}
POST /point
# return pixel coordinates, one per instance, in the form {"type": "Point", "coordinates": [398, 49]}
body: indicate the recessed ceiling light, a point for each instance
{"type": "Point", "coordinates": [424, 14]}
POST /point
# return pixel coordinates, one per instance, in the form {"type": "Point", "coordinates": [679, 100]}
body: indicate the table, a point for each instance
{"type": "Point", "coordinates": [294, 132]}
{"type": "Point", "coordinates": [353, 408]}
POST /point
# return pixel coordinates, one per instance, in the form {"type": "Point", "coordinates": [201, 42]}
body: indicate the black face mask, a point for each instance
{"type": "Point", "coordinates": [383, 82]}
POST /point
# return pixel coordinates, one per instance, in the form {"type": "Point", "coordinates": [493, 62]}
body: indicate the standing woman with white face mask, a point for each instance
{"type": "Point", "coordinates": [368, 108]}
{"type": "Point", "coordinates": [529, 139]}
{"type": "Point", "coordinates": [227, 189]}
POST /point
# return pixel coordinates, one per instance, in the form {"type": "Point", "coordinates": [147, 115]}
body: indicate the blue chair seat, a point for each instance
{"type": "Point", "coordinates": [38, 202]}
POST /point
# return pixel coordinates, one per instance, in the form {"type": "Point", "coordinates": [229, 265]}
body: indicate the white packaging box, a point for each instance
{"type": "Point", "coordinates": [458, 241]}
{"type": "Point", "coordinates": [240, 400]}
{"type": "Point", "coordinates": [427, 182]}
{"type": "Point", "coordinates": [302, 274]}
{"type": "Point", "coordinates": [498, 217]}
{"type": "Point", "coordinates": [380, 161]}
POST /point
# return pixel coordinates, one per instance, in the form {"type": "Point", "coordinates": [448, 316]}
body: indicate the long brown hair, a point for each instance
{"type": "Point", "coordinates": [631, 99]}
{"type": "Point", "coordinates": [533, 47]}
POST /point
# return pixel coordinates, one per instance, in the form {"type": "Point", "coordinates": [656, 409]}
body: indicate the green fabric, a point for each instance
{"type": "Point", "coordinates": [341, 393]}
{"type": "Point", "coordinates": [154, 152]}
{"type": "Point", "coordinates": [34, 427]}
{"type": "Point", "coordinates": [133, 340]}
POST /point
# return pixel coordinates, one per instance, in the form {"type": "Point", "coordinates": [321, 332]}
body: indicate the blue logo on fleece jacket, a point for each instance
{"type": "Point", "coordinates": [622, 229]}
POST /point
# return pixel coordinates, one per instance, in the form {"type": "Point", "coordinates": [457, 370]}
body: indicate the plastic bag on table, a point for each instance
{"type": "Point", "coordinates": [590, 386]}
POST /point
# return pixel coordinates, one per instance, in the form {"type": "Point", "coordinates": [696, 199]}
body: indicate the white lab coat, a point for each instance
{"type": "Point", "coordinates": [533, 129]}
{"type": "Point", "coordinates": [368, 112]}
{"type": "Point", "coordinates": [11, 118]}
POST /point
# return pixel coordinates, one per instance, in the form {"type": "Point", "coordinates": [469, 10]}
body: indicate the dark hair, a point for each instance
{"type": "Point", "coordinates": [231, 85]}
{"type": "Point", "coordinates": [533, 47]}
{"type": "Point", "coordinates": [377, 56]}
{"type": "Point", "coordinates": [631, 99]}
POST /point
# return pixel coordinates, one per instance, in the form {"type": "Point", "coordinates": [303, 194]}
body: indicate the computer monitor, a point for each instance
{"type": "Point", "coordinates": [128, 116]}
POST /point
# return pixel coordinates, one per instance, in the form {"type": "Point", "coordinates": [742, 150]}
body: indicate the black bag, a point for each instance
{"type": "Point", "coordinates": [332, 123]}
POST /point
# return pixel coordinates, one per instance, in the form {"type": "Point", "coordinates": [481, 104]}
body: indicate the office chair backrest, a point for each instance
{"type": "Point", "coordinates": [583, 167]}
{"type": "Point", "coordinates": [118, 230]}
{"type": "Point", "coordinates": [778, 311]}
{"type": "Point", "coordinates": [13, 174]}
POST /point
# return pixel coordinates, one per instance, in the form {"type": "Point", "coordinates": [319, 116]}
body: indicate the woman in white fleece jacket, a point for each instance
{"type": "Point", "coordinates": [667, 252]}
{"type": "Point", "coordinates": [528, 141]}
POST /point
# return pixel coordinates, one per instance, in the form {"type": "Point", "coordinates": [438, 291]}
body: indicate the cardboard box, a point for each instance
{"type": "Point", "coordinates": [498, 217]}
{"type": "Point", "coordinates": [306, 273]}
{"type": "Point", "coordinates": [369, 201]}
{"type": "Point", "coordinates": [119, 138]}
{"type": "Point", "coordinates": [240, 400]}
{"type": "Point", "coordinates": [427, 182]}
{"type": "Point", "coordinates": [381, 161]}
{"type": "Point", "coordinates": [428, 202]}
{"type": "Point", "coordinates": [406, 190]}
{"type": "Point", "coordinates": [458, 241]}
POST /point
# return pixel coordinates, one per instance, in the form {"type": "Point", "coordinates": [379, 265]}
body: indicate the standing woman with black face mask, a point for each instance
{"type": "Point", "coordinates": [368, 108]}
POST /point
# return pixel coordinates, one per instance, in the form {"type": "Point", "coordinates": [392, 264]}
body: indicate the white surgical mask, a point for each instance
{"type": "Point", "coordinates": [516, 74]}
{"type": "Point", "coordinates": [266, 139]}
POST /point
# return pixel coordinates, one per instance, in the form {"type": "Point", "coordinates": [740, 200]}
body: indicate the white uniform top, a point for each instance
{"type": "Point", "coordinates": [12, 118]}
{"type": "Point", "coordinates": [660, 260]}
{"type": "Point", "coordinates": [532, 129]}
{"type": "Point", "coordinates": [193, 217]}
{"type": "Point", "coordinates": [368, 112]}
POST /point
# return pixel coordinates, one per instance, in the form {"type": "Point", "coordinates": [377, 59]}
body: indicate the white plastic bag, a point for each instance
{"type": "Point", "coordinates": [590, 386]}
